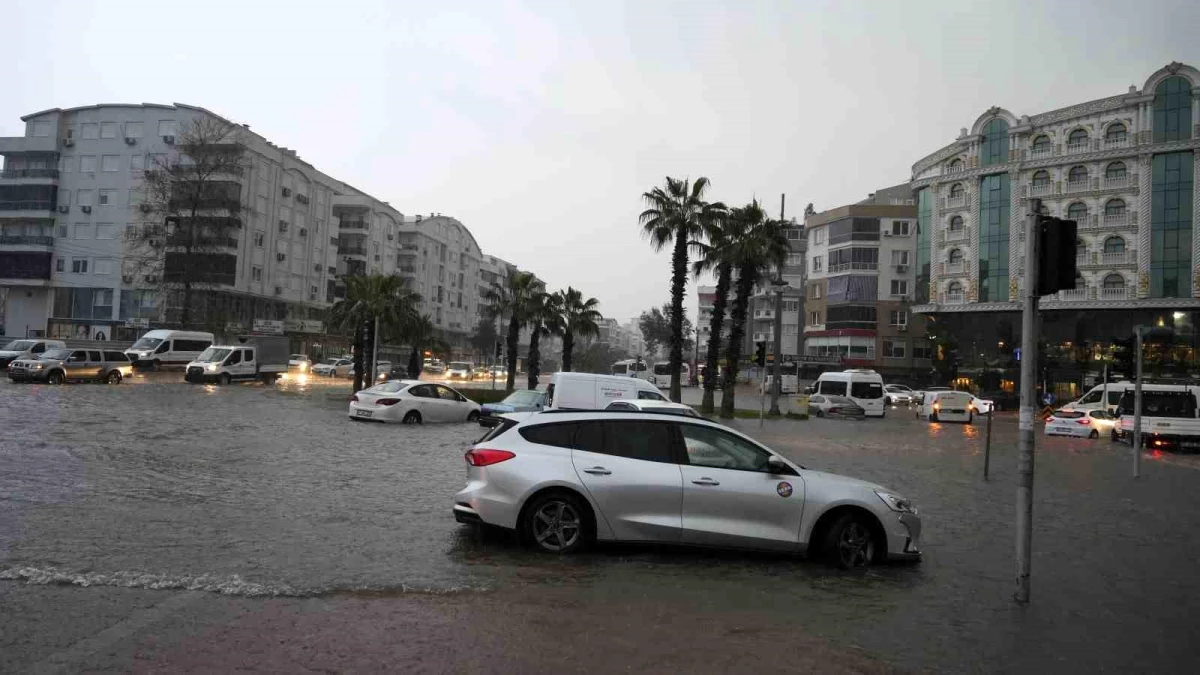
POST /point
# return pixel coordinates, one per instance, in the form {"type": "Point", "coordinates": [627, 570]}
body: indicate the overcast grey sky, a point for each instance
{"type": "Point", "coordinates": [539, 124]}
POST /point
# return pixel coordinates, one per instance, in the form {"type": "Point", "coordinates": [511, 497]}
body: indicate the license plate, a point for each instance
{"type": "Point", "coordinates": [362, 413]}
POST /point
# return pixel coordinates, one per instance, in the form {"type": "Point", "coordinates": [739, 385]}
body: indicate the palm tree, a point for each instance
{"type": "Point", "coordinates": [580, 319]}
{"type": "Point", "coordinates": [676, 215]}
{"type": "Point", "coordinates": [714, 256]}
{"type": "Point", "coordinates": [761, 245]}
{"type": "Point", "coordinates": [374, 300]}
{"type": "Point", "coordinates": [545, 318]}
{"type": "Point", "coordinates": [420, 336]}
{"type": "Point", "coordinates": [511, 298]}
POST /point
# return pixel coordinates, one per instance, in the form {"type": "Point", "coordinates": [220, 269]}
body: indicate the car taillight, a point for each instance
{"type": "Point", "coordinates": [835, 410]}
{"type": "Point", "coordinates": [484, 457]}
{"type": "Point", "coordinates": [354, 397]}
{"type": "Point", "coordinates": [387, 401]}
{"type": "Point", "coordinates": [1084, 422]}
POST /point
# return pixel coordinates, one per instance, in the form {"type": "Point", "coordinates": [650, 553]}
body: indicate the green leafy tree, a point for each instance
{"type": "Point", "coordinates": [373, 300]}
{"type": "Point", "coordinates": [512, 299]}
{"type": "Point", "coordinates": [715, 256]}
{"type": "Point", "coordinates": [761, 246]}
{"type": "Point", "coordinates": [675, 215]}
{"type": "Point", "coordinates": [657, 328]}
{"type": "Point", "coordinates": [580, 319]}
{"type": "Point", "coordinates": [598, 357]}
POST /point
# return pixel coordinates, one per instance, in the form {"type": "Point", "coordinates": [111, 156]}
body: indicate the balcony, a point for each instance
{"type": "Point", "coordinates": [357, 202]}
{"type": "Point", "coordinates": [1116, 219]}
{"type": "Point", "coordinates": [202, 242]}
{"type": "Point", "coordinates": [1078, 148]}
{"type": "Point", "coordinates": [813, 328]}
{"type": "Point", "coordinates": [957, 235]}
{"type": "Point", "coordinates": [954, 298]}
{"type": "Point", "coordinates": [846, 267]}
{"type": "Point", "coordinates": [37, 209]}
{"type": "Point", "coordinates": [1079, 185]}
{"type": "Point", "coordinates": [25, 268]}
{"type": "Point", "coordinates": [20, 240]}
{"type": "Point", "coordinates": [1115, 258]}
{"type": "Point", "coordinates": [764, 314]}
{"type": "Point", "coordinates": [1074, 295]}
{"type": "Point", "coordinates": [1116, 182]}
{"type": "Point", "coordinates": [763, 337]}
{"type": "Point", "coordinates": [1117, 142]}
{"type": "Point", "coordinates": [1041, 189]}
{"type": "Point", "coordinates": [956, 202]}
{"type": "Point", "coordinates": [352, 250]}
{"type": "Point", "coordinates": [1041, 153]}
{"type": "Point", "coordinates": [14, 145]}
{"type": "Point", "coordinates": [959, 267]}
{"type": "Point", "coordinates": [18, 174]}
{"type": "Point", "coordinates": [1119, 293]}
{"type": "Point", "coordinates": [353, 225]}
{"type": "Point", "coordinates": [1081, 259]}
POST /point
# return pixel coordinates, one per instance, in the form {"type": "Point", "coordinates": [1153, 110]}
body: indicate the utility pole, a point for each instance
{"type": "Point", "coordinates": [777, 369]}
{"type": "Point", "coordinates": [1137, 407]}
{"type": "Point", "coordinates": [695, 378]}
{"type": "Point", "coordinates": [1028, 388]}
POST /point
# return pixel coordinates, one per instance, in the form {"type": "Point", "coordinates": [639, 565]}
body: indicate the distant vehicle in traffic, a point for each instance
{"type": "Point", "coordinates": [983, 406]}
{"type": "Point", "coordinates": [650, 406]}
{"type": "Point", "coordinates": [159, 349]}
{"type": "Point", "coordinates": [1094, 398]}
{"type": "Point", "coordinates": [339, 367]}
{"type": "Point", "coordinates": [459, 370]}
{"type": "Point", "coordinates": [434, 366]}
{"type": "Point", "coordinates": [412, 402]}
{"type": "Point", "coordinates": [929, 390]}
{"type": "Point", "coordinates": [823, 405]}
{"type": "Point", "coordinates": [864, 387]}
{"type": "Point", "coordinates": [565, 479]}
{"type": "Point", "coordinates": [948, 406]}
{"type": "Point", "coordinates": [661, 375]}
{"type": "Point", "coordinates": [27, 349]}
{"type": "Point", "coordinates": [1085, 423]}
{"type": "Point", "coordinates": [299, 363]}
{"type": "Point", "coordinates": [258, 357]}
{"type": "Point", "coordinates": [586, 391]}
{"type": "Point", "coordinates": [522, 400]}
{"type": "Point", "coordinates": [1169, 417]}
{"type": "Point", "coordinates": [631, 368]}
{"type": "Point", "coordinates": [899, 394]}
{"type": "Point", "coordinates": [56, 366]}
{"type": "Point", "coordinates": [481, 373]}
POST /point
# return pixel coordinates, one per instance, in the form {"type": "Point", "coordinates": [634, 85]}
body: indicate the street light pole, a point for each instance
{"type": "Point", "coordinates": [1137, 407]}
{"type": "Point", "coordinates": [777, 365]}
{"type": "Point", "coordinates": [1028, 388]}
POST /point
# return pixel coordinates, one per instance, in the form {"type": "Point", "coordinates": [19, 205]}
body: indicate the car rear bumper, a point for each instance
{"type": "Point", "coordinates": [481, 502]}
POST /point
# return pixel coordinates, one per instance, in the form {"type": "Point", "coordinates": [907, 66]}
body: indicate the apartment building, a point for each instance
{"type": "Point", "coordinates": [860, 283]}
{"type": "Point", "coordinates": [761, 312]}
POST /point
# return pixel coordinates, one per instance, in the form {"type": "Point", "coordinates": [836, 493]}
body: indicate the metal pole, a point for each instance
{"type": "Point", "coordinates": [777, 366]}
{"type": "Point", "coordinates": [762, 394]}
{"type": "Point", "coordinates": [374, 355]}
{"type": "Point", "coordinates": [696, 355]}
{"type": "Point", "coordinates": [1028, 389]}
{"type": "Point", "coordinates": [987, 444]}
{"type": "Point", "coordinates": [1137, 409]}
{"type": "Point", "coordinates": [1105, 391]}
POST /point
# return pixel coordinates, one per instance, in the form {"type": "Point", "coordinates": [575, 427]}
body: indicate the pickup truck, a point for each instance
{"type": "Point", "coordinates": [253, 357]}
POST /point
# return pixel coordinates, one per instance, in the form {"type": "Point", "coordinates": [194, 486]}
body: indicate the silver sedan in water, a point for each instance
{"type": "Point", "coordinates": [565, 479]}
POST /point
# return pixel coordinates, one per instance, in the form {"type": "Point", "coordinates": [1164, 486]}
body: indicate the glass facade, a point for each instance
{"type": "Point", "coordinates": [1171, 225]}
{"type": "Point", "coordinates": [994, 207]}
{"type": "Point", "coordinates": [924, 232]}
{"type": "Point", "coordinates": [1172, 110]}
{"type": "Point", "coordinates": [994, 147]}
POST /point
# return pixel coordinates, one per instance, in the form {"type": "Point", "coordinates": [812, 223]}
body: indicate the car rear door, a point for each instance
{"type": "Point", "coordinates": [729, 496]}
{"type": "Point", "coordinates": [453, 407]}
{"type": "Point", "coordinates": [425, 401]}
{"type": "Point", "coordinates": [95, 367]}
{"type": "Point", "coordinates": [629, 469]}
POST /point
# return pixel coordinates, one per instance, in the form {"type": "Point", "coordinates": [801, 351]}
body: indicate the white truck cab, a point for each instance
{"type": "Point", "coordinates": [250, 358]}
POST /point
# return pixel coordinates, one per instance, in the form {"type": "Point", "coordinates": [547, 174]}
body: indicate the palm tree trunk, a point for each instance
{"type": "Point", "coordinates": [679, 270]}
{"type": "Point", "coordinates": [514, 337]}
{"type": "Point", "coordinates": [535, 357]}
{"type": "Point", "coordinates": [359, 344]}
{"type": "Point", "coordinates": [733, 353]}
{"type": "Point", "coordinates": [568, 350]}
{"type": "Point", "coordinates": [414, 365]}
{"type": "Point", "coordinates": [711, 372]}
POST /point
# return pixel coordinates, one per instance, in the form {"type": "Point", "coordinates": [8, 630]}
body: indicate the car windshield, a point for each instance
{"type": "Point", "coordinates": [459, 365]}
{"type": "Point", "coordinates": [147, 343]}
{"type": "Point", "coordinates": [897, 388]}
{"type": "Point", "coordinates": [19, 345]}
{"type": "Point", "coordinates": [527, 397]}
{"type": "Point", "coordinates": [56, 354]}
{"type": "Point", "coordinates": [213, 355]}
{"type": "Point", "coordinates": [662, 369]}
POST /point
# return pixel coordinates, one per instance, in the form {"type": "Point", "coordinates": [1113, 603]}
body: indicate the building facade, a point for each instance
{"type": "Point", "coordinates": [860, 285]}
{"type": "Point", "coordinates": [761, 313]}
{"type": "Point", "coordinates": [1123, 167]}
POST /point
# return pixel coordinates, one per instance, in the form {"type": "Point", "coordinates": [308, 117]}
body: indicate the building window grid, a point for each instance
{"type": "Point", "coordinates": [1171, 226]}
{"type": "Point", "coordinates": [994, 211]}
{"type": "Point", "coordinates": [1172, 110]}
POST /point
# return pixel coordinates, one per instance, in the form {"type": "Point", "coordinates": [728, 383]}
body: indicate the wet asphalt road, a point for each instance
{"type": "Point", "coordinates": [254, 492]}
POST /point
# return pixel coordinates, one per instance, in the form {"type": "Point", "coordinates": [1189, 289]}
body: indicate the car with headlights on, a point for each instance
{"type": "Point", "coordinates": [56, 366]}
{"type": "Point", "coordinates": [412, 402]}
{"type": "Point", "coordinates": [563, 480]}
{"type": "Point", "coordinates": [898, 394]}
{"type": "Point", "coordinates": [299, 363]}
{"type": "Point", "coordinates": [522, 400]}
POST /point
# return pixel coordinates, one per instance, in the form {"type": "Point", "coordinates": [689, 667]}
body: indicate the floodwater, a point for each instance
{"type": "Point", "coordinates": [257, 491]}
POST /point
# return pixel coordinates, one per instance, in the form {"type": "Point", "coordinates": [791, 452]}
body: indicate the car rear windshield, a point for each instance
{"type": "Point", "coordinates": [1160, 404]}
{"type": "Point", "coordinates": [1068, 414]}
{"type": "Point", "coordinates": [504, 425]}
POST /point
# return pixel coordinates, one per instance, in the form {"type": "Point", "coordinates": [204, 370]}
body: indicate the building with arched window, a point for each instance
{"type": "Point", "coordinates": [1123, 167]}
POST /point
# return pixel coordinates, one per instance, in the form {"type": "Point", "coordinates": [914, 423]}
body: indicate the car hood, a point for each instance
{"type": "Point", "coordinates": [842, 481]}
{"type": "Point", "coordinates": [5, 354]}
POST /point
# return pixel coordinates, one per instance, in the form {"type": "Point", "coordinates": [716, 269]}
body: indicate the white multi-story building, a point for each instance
{"type": "Point", "coordinates": [72, 185]}
{"type": "Point", "coordinates": [1123, 167]}
{"type": "Point", "coordinates": [761, 313]}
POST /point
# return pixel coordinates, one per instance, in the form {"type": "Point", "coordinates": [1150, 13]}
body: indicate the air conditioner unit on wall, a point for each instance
{"type": "Point", "coordinates": [64, 208]}
{"type": "Point", "coordinates": [279, 290]}
{"type": "Point", "coordinates": [169, 140]}
{"type": "Point", "coordinates": [901, 268]}
{"type": "Point", "coordinates": [129, 140]}
{"type": "Point", "coordinates": [887, 233]}
{"type": "Point", "coordinates": [281, 256]}
{"type": "Point", "coordinates": [68, 143]}
{"type": "Point", "coordinates": [85, 209]}
{"type": "Point", "coordinates": [287, 192]}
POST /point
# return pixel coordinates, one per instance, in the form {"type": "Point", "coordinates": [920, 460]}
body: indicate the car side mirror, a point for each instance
{"type": "Point", "coordinates": [776, 465]}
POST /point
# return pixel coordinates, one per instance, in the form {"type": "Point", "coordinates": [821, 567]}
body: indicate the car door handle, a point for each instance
{"type": "Point", "coordinates": [706, 481]}
{"type": "Point", "coordinates": [598, 471]}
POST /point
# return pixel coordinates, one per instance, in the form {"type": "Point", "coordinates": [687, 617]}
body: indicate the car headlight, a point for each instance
{"type": "Point", "coordinates": [897, 503]}
{"type": "Point", "coordinates": [212, 367]}
{"type": "Point", "coordinates": [39, 366]}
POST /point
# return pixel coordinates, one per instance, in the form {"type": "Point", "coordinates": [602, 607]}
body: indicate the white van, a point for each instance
{"type": "Point", "coordinates": [631, 368]}
{"type": "Point", "coordinates": [1092, 400]}
{"type": "Point", "coordinates": [168, 348]}
{"type": "Point", "coordinates": [661, 375]}
{"type": "Point", "coordinates": [29, 348]}
{"type": "Point", "coordinates": [585, 391]}
{"type": "Point", "coordinates": [864, 387]}
{"type": "Point", "coordinates": [948, 406]}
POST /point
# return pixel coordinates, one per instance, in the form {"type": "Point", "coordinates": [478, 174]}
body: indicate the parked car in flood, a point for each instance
{"type": "Point", "coordinates": [824, 405]}
{"type": "Point", "coordinates": [56, 366]}
{"type": "Point", "coordinates": [412, 402]}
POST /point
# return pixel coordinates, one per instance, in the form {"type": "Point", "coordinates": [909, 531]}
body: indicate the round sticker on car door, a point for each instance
{"type": "Point", "coordinates": [784, 489]}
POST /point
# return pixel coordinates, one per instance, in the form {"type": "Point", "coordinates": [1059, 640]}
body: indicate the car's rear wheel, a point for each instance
{"type": "Point", "coordinates": [1095, 434]}
{"type": "Point", "coordinates": [224, 379]}
{"type": "Point", "coordinates": [933, 417]}
{"type": "Point", "coordinates": [473, 416]}
{"type": "Point", "coordinates": [55, 378]}
{"type": "Point", "coordinates": [970, 418]}
{"type": "Point", "coordinates": [820, 413]}
{"type": "Point", "coordinates": [114, 377]}
{"type": "Point", "coordinates": [849, 542]}
{"type": "Point", "coordinates": [555, 523]}
{"type": "Point", "coordinates": [412, 417]}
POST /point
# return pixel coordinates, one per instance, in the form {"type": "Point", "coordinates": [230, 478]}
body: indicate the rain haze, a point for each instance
{"type": "Point", "coordinates": [538, 125]}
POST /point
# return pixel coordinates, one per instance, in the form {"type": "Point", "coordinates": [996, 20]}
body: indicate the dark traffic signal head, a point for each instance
{"type": "Point", "coordinates": [760, 353]}
{"type": "Point", "coordinates": [1056, 254]}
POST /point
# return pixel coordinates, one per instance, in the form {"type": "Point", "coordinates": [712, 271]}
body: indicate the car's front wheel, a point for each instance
{"type": "Point", "coordinates": [114, 377]}
{"type": "Point", "coordinates": [412, 417]}
{"type": "Point", "coordinates": [473, 416]}
{"type": "Point", "coordinates": [555, 523]}
{"type": "Point", "coordinates": [224, 379]}
{"type": "Point", "coordinates": [849, 543]}
{"type": "Point", "coordinates": [55, 378]}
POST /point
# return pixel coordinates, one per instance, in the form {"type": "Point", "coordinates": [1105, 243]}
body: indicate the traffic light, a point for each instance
{"type": "Point", "coordinates": [1056, 254]}
{"type": "Point", "coordinates": [1123, 357]}
{"type": "Point", "coordinates": [498, 354]}
{"type": "Point", "coordinates": [760, 353]}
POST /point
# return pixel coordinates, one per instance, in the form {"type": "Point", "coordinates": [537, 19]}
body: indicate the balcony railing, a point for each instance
{"type": "Point", "coordinates": [1073, 295]}
{"type": "Point", "coordinates": [352, 225]}
{"type": "Point", "coordinates": [1116, 219]}
{"type": "Point", "coordinates": [37, 205]}
{"type": "Point", "coordinates": [956, 235]}
{"type": "Point", "coordinates": [956, 202]}
{"type": "Point", "coordinates": [1039, 189]}
{"type": "Point", "coordinates": [1081, 259]}
{"type": "Point", "coordinates": [954, 298]}
{"type": "Point", "coordinates": [1117, 258]}
{"type": "Point", "coordinates": [1078, 185]}
{"type": "Point", "coordinates": [28, 173]}
{"type": "Point", "coordinates": [833, 269]}
{"type": "Point", "coordinates": [764, 314]}
{"type": "Point", "coordinates": [1076, 148]}
{"type": "Point", "coordinates": [203, 242]}
{"type": "Point", "coordinates": [1039, 153]}
{"type": "Point", "coordinates": [1116, 142]}
{"type": "Point", "coordinates": [959, 267]}
{"type": "Point", "coordinates": [408, 269]}
{"type": "Point", "coordinates": [1114, 182]}
{"type": "Point", "coordinates": [1119, 293]}
{"type": "Point", "coordinates": [352, 250]}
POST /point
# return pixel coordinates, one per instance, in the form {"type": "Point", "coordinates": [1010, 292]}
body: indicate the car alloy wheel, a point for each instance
{"type": "Point", "coordinates": [55, 378]}
{"type": "Point", "coordinates": [114, 377]}
{"type": "Point", "coordinates": [850, 544]}
{"type": "Point", "coordinates": [473, 416]}
{"type": "Point", "coordinates": [1094, 434]}
{"type": "Point", "coordinates": [555, 524]}
{"type": "Point", "coordinates": [412, 417]}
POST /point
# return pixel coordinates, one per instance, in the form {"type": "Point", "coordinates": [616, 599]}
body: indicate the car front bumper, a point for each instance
{"type": "Point", "coordinates": [904, 537]}
{"type": "Point", "coordinates": [28, 375]}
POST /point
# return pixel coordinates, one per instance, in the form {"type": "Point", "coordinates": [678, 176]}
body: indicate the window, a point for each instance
{"type": "Point", "coordinates": [854, 229]}
{"type": "Point", "coordinates": [83, 231]}
{"type": "Point", "coordinates": [819, 235]}
{"type": "Point", "coordinates": [816, 292]}
{"type": "Point", "coordinates": [717, 449]}
{"type": "Point", "coordinates": [560, 435]}
{"type": "Point", "coordinates": [791, 305]}
{"type": "Point", "coordinates": [789, 329]}
{"type": "Point", "coordinates": [1115, 281]}
{"type": "Point", "coordinates": [108, 198]}
{"type": "Point", "coordinates": [956, 224]}
{"type": "Point", "coordinates": [38, 129]}
{"type": "Point", "coordinates": [1077, 137]}
{"type": "Point", "coordinates": [87, 163]}
{"type": "Point", "coordinates": [814, 318]}
{"type": "Point", "coordinates": [105, 266]}
{"type": "Point", "coordinates": [79, 265]}
{"type": "Point", "coordinates": [894, 349]}
{"type": "Point", "coordinates": [898, 317]}
{"type": "Point", "coordinates": [1041, 178]}
{"type": "Point", "coordinates": [1114, 207]}
{"type": "Point", "coordinates": [133, 129]}
{"type": "Point", "coordinates": [108, 130]}
{"type": "Point", "coordinates": [119, 357]}
{"type": "Point", "coordinates": [1172, 110]}
{"type": "Point", "coordinates": [649, 395]}
{"type": "Point", "coordinates": [922, 350]}
{"type": "Point", "coordinates": [166, 127]}
{"type": "Point", "coordinates": [957, 191]}
{"type": "Point", "coordinates": [91, 131]}
{"type": "Point", "coordinates": [648, 441]}
{"type": "Point", "coordinates": [831, 388]}
{"type": "Point", "coordinates": [956, 256]}
{"type": "Point", "coordinates": [59, 265]}
{"type": "Point", "coordinates": [256, 273]}
{"type": "Point", "coordinates": [900, 228]}
{"type": "Point", "coordinates": [106, 230]}
{"type": "Point", "coordinates": [793, 234]}
{"type": "Point", "coordinates": [1077, 212]}
{"type": "Point", "coordinates": [1116, 170]}
{"type": "Point", "coordinates": [994, 208]}
{"type": "Point", "coordinates": [1077, 173]}
{"type": "Point", "coordinates": [793, 260]}
{"type": "Point", "coordinates": [955, 166]}
{"type": "Point", "coordinates": [137, 163]}
{"type": "Point", "coordinates": [1171, 225]}
{"type": "Point", "coordinates": [1114, 244]}
{"type": "Point", "coordinates": [899, 287]}
{"type": "Point", "coordinates": [816, 263]}
{"type": "Point", "coordinates": [899, 257]}
{"type": "Point", "coordinates": [259, 236]}
{"type": "Point", "coordinates": [1115, 133]}
{"type": "Point", "coordinates": [1041, 145]}
{"type": "Point", "coordinates": [955, 288]}
{"type": "Point", "coordinates": [234, 358]}
{"type": "Point", "coordinates": [993, 149]}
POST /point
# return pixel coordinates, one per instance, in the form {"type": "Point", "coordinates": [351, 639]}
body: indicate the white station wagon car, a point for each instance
{"type": "Point", "coordinates": [412, 402]}
{"type": "Point", "coordinates": [564, 479]}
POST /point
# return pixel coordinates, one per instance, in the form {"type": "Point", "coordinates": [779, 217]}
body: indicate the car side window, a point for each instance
{"type": "Point", "coordinates": [1093, 397]}
{"type": "Point", "coordinates": [78, 357]}
{"type": "Point", "coordinates": [650, 396]}
{"type": "Point", "coordinates": [590, 436]}
{"type": "Point", "coordinates": [648, 441]}
{"type": "Point", "coordinates": [116, 356]}
{"type": "Point", "coordinates": [248, 355]}
{"type": "Point", "coordinates": [831, 388]}
{"type": "Point", "coordinates": [95, 356]}
{"type": "Point", "coordinates": [38, 348]}
{"type": "Point", "coordinates": [234, 358]}
{"type": "Point", "coordinates": [422, 391]}
{"type": "Point", "coordinates": [710, 447]}
{"type": "Point", "coordinates": [561, 435]}
{"type": "Point", "coordinates": [163, 348]}
{"type": "Point", "coordinates": [447, 394]}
